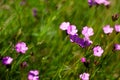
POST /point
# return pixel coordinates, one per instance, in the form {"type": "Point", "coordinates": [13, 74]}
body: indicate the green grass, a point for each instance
{"type": "Point", "coordinates": [54, 55]}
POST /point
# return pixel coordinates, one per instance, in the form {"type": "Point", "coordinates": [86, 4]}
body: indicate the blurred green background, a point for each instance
{"type": "Point", "coordinates": [50, 50]}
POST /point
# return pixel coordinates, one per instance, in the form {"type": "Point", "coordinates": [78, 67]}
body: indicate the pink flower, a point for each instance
{"type": "Point", "coordinates": [88, 40]}
{"type": "Point", "coordinates": [21, 47]}
{"type": "Point", "coordinates": [33, 75]}
{"type": "Point", "coordinates": [72, 30]}
{"type": "Point", "coordinates": [105, 2]}
{"type": "Point", "coordinates": [83, 59]}
{"type": "Point", "coordinates": [84, 76]}
{"type": "Point", "coordinates": [87, 32]}
{"type": "Point", "coordinates": [117, 47]}
{"type": "Point", "coordinates": [100, 1]}
{"type": "Point", "coordinates": [117, 28]}
{"type": "Point", "coordinates": [64, 25]}
{"type": "Point", "coordinates": [107, 29]}
{"type": "Point", "coordinates": [98, 51]}
{"type": "Point", "coordinates": [7, 60]}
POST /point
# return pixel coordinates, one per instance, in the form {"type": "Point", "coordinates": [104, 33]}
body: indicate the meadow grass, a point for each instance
{"type": "Point", "coordinates": [50, 50]}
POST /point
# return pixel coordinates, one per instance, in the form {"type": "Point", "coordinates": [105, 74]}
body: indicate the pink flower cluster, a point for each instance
{"type": "Point", "coordinates": [107, 29]}
{"type": "Point", "coordinates": [87, 32]}
{"type": "Point", "coordinates": [21, 47]}
{"type": "Point", "coordinates": [71, 29]}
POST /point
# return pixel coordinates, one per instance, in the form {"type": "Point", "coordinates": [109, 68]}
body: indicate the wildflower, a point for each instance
{"type": "Point", "coordinates": [87, 39]}
{"type": "Point", "coordinates": [72, 30]}
{"type": "Point", "coordinates": [34, 12]}
{"type": "Point", "coordinates": [117, 47]}
{"type": "Point", "coordinates": [74, 38]}
{"type": "Point", "coordinates": [21, 47]}
{"type": "Point", "coordinates": [98, 51]}
{"type": "Point", "coordinates": [24, 64]}
{"type": "Point", "coordinates": [81, 42]}
{"type": "Point", "coordinates": [91, 2]}
{"type": "Point", "coordinates": [7, 60]}
{"type": "Point", "coordinates": [117, 28]}
{"type": "Point", "coordinates": [33, 75]}
{"type": "Point", "coordinates": [105, 2]}
{"type": "Point", "coordinates": [83, 59]}
{"type": "Point", "coordinates": [107, 29]}
{"type": "Point", "coordinates": [87, 32]}
{"type": "Point", "coordinates": [84, 76]}
{"type": "Point", "coordinates": [64, 25]}
{"type": "Point", "coordinates": [85, 42]}
{"type": "Point", "coordinates": [115, 17]}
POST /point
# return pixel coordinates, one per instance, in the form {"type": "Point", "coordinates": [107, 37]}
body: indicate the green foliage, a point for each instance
{"type": "Point", "coordinates": [54, 55]}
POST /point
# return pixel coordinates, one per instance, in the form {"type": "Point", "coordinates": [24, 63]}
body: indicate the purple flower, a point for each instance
{"type": "Point", "coordinates": [34, 12]}
{"type": "Point", "coordinates": [72, 30]}
{"type": "Point", "coordinates": [74, 38]}
{"type": "Point", "coordinates": [91, 2]}
{"type": "Point", "coordinates": [117, 28]}
{"type": "Point", "coordinates": [107, 29]}
{"type": "Point", "coordinates": [21, 47]}
{"type": "Point", "coordinates": [81, 42]}
{"type": "Point", "coordinates": [33, 75]}
{"type": "Point", "coordinates": [98, 51]}
{"type": "Point", "coordinates": [7, 60]}
{"type": "Point", "coordinates": [117, 47]}
{"type": "Point", "coordinates": [84, 76]}
{"type": "Point", "coordinates": [83, 59]}
{"type": "Point", "coordinates": [87, 32]}
{"type": "Point", "coordinates": [64, 25]}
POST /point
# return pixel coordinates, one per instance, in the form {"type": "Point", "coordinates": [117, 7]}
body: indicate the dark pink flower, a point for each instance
{"type": "Point", "coordinates": [33, 75]}
{"type": "Point", "coordinates": [83, 59]}
{"type": "Point", "coordinates": [7, 60]}
{"type": "Point", "coordinates": [21, 47]}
